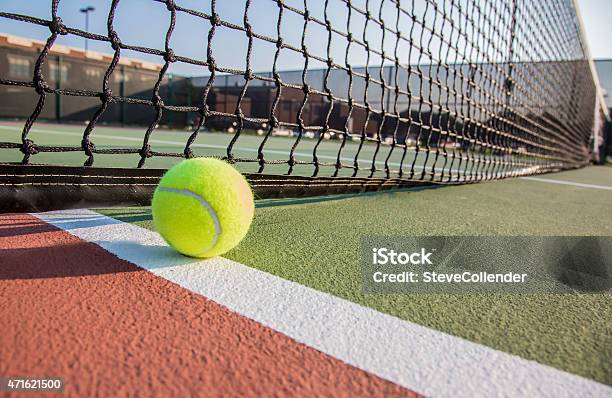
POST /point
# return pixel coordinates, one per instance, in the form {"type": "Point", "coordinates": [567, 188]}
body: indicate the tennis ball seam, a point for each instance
{"type": "Point", "coordinates": [211, 212]}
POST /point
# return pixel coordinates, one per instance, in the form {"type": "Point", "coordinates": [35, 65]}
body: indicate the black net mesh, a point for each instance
{"type": "Point", "coordinates": [430, 90]}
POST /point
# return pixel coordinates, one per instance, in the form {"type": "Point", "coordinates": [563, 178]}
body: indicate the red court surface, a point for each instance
{"type": "Point", "coordinates": [108, 328]}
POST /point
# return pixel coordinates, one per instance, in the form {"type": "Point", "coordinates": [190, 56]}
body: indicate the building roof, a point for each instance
{"type": "Point", "coordinates": [7, 40]}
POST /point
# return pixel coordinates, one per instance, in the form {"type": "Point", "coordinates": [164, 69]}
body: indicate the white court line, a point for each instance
{"type": "Point", "coordinates": [421, 359]}
{"type": "Point", "coordinates": [299, 154]}
{"type": "Point", "coordinates": [196, 145]}
{"type": "Point", "coordinates": [362, 162]}
{"type": "Point", "coordinates": [574, 184]}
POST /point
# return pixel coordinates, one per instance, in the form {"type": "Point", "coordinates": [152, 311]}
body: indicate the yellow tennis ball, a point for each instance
{"type": "Point", "coordinates": [203, 207]}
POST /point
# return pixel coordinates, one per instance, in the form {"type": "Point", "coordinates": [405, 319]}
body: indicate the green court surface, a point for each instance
{"type": "Point", "coordinates": [276, 148]}
{"type": "Point", "coordinates": [315, 242]}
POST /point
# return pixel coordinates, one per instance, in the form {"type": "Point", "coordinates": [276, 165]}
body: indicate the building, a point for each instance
{"type": "Point", "coordinates": [463, 99]}
{"type": "Point", "coordinates": [604, 72]}
{"type": "Point", "coordinates": [72, 68]}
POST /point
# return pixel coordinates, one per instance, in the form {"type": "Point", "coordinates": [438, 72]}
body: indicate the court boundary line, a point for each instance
{"type": "Point", "coordinates": [571, 183]}
{"type": "Point", "coordinates": [413, 356]}
{"type": "Point", "coordinates": [364, 162]}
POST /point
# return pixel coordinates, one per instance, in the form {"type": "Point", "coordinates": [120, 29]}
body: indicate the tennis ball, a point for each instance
{"type": "Point", "coordinates": [203, 207]}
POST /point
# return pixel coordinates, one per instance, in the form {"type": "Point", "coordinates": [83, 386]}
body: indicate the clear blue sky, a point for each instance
{"type": "Point", "coordinates": [143, 22]}
{"type": "Point", "coordinates": [597, 17]}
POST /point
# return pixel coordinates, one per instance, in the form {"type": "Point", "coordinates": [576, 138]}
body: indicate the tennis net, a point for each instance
{"type": "Point", "coordinates": [382, 93]}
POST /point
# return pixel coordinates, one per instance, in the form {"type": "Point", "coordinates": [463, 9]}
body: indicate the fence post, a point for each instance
{"type": "Point", "coordinates": [58, 85]}
{"type": "Point", "coordinates": [122, 94]}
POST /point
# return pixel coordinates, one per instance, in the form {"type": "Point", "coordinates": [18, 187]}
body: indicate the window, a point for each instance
{"type": "Point", "coordinates": [58, 73]}
{"type": "Point", "coordinates": [93, 73]}
{"type": "Point", "coordinates": [291, 105]}
{"type": "Point", "coordinates": [121, 77]}
{"type": "Point", "coordinates": [20, 67]}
